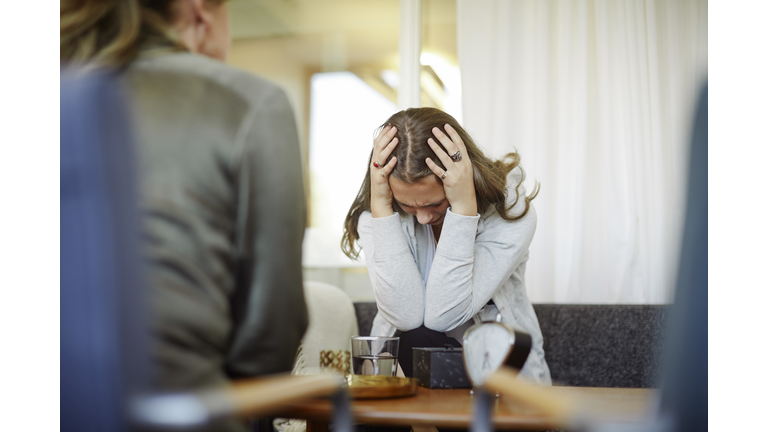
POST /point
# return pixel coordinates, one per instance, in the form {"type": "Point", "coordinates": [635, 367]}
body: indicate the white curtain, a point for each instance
{"type": "Point", "coordinates": [597, 97]}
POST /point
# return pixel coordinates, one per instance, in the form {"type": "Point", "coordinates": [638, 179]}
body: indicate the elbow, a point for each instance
{"type": "Point", "coordinates": [403, 322]}
{"type": "Point", "coordinates": [443, 319]}
{"type": "Point", "coordinates": [408, 324]}
{"type": "Point", "coordinates": [438, 323]}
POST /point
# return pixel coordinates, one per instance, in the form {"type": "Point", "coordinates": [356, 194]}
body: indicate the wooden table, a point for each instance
{"type": "Point", "coordinates": [453, 409]}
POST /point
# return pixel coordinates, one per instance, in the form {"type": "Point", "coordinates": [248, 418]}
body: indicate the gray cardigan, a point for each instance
{"type": "Point", "coordinates": [223, 213]}
{"type": "Point", "coordinates": [478, 258]}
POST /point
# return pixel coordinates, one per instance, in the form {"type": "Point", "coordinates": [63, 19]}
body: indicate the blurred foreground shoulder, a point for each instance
{"type": "Point", "coordinates": [253, 89]}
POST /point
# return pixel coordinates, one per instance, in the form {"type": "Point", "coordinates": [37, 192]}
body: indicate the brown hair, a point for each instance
{"type": "Point", "coordinates": [109, 32]}
{"type": "Point", "coordinates": [414, 127]}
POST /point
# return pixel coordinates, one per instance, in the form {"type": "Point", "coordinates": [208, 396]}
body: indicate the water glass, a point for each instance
{"type": "Point", "coordinates": [374, 355]}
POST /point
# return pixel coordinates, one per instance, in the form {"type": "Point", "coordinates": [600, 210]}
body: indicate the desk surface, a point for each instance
{"type": "Point", "coordinates": [453, 408]}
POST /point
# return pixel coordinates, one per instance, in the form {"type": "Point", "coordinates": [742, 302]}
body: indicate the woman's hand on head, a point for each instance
{"type": "Point", "coordinates": [381, 194]}
{"type": "Point", "coordinates": [458, 178]}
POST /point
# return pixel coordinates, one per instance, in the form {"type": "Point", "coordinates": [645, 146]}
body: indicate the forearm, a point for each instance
{"type": "Point", "coordinates": [450, 292]}
{"type": "Point", "coordinates": [469, 266]}
{"type": "Point", "coordinates": [397, 283]}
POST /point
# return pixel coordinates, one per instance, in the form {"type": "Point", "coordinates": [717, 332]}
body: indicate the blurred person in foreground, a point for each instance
{"type": "Point", "coordinates": [221, 188]}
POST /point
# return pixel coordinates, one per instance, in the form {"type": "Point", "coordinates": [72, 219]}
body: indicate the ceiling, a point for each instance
{"type": "Point", "coordinates": [275, 18]}
{"type": "Point", "coordinates": [362, 32]}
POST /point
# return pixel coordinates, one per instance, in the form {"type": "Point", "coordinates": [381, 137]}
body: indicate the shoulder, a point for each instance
{"type": "Point", "coordinates": [207, 73]}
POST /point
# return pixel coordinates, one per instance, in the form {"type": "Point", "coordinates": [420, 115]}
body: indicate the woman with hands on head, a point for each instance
{"type": "Point", "coordinates": [446, 232]}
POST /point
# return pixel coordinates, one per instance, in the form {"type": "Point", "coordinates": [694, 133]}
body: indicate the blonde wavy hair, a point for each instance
{"type": "Point", "coordinates": [110, 32]}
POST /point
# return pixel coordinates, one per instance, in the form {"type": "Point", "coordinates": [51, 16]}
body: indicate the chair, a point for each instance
{"type": "Point", "coordinates": [332, 323]}
{"type": "Point", "coordinates": [590, 345]}
{"type": "Point", "coordinates": [603, 345]}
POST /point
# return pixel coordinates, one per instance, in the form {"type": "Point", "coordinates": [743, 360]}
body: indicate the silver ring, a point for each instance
{"type": "Point", "coordinates": [442, 177]}
{"type": "Point", "coordinates": [456, 156]}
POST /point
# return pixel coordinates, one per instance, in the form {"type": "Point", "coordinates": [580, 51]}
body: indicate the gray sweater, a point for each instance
{"type": "Point", "coordinates": [223, 213]}
{"type": "Point", "coordinates": [478, 258]}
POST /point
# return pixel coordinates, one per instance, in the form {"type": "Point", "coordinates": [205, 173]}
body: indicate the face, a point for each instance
{"type": "Point", "coordinates": [425, 199]}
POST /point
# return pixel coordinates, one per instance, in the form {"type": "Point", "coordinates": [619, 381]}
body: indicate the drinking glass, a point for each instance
{"type": "Point", "coordinates": [374, 355]}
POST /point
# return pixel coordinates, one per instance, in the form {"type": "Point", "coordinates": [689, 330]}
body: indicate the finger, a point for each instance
{"type": "Point", "coordinates": [445, 140]}
{"type": "Point", "coordinates": [456, 139]}
{"type": "Point", "coordinates": [382, 154]}
{"type": "Point", "coordinates": [387, 169]}
{"type": "Point", "coordinates": [385, 136]}
{"type": "Point", "coordinates": [386, 151]}
{"type": "Point", "coordinates": [382, 132]}
{"type": "Point", "coordinates": [436, 170]}
{"type": "Point", "coordinates": [442, 155]}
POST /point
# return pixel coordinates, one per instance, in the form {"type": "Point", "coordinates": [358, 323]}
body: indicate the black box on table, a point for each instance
{"type": "Point", "coordinates": [441, 368]}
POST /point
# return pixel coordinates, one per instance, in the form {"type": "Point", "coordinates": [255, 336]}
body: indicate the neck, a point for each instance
{"type": "Point", "coordinates": [436, 229]}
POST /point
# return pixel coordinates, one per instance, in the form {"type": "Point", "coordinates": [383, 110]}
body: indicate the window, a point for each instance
{"type": "Point", "coordinates": [338, 61]}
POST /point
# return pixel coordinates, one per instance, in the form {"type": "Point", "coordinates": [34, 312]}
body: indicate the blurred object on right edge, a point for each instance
{"type": "Point", "coordinates": [684, 382]}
